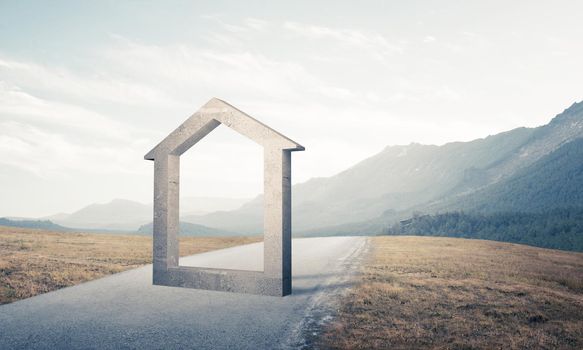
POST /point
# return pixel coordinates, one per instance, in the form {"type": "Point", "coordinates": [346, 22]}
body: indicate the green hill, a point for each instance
{"type": "Point", "coordinates": [37, 224]}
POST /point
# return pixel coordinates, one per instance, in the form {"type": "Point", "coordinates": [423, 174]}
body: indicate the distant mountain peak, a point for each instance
{"type": "Point", "coordinates": [573, 113]}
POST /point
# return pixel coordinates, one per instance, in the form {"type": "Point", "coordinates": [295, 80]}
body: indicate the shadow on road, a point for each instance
{"type": "Point", "coordinates": [319, 288]}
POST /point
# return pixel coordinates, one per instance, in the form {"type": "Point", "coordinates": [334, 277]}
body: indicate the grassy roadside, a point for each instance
{"type": "Point", "coordinates": [448, 293]}
{"type": "Point", "coordinates": [37, 261]}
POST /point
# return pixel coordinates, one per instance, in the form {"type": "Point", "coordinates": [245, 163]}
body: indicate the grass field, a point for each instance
{"type": "Point", "coordinates": [37, 261]}
{"type": "Point", "coordinates": [447, 293]}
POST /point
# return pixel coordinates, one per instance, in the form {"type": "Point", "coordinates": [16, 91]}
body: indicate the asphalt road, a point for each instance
{"type": "Point", "coordinates": [125, 311]}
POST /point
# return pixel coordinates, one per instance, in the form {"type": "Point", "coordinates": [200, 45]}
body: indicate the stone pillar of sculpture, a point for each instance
{"type": "Point", "coordinates": [277, 217]}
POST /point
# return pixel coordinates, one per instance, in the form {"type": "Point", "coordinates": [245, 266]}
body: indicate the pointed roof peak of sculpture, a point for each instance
{"type": "Point", "coordinates": [208, 117]}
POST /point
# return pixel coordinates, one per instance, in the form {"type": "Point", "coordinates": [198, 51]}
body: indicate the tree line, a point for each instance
{"type": "Point", "coordinates": [556, 228]}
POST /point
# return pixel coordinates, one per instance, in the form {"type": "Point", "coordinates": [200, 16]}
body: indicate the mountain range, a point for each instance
{"type": "Point", "coordinates": [401, 180]}
{"type": "Point", "coordinates": [521, 170]}
{"type": "Point", "coordinates": [127, 215]}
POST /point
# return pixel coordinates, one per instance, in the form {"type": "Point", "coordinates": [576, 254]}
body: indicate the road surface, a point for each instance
{"type": "Point", "coordinates": [125, 311]}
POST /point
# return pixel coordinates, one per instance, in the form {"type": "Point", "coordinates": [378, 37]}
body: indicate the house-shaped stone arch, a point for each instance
{"type": "Point", "coordinates": [276, 276]}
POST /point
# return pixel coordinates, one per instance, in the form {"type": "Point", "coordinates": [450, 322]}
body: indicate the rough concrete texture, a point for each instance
{"type": "Point", "coordinates": [275, 279]}
{"type": "Point", "coordinates": [125, 311]}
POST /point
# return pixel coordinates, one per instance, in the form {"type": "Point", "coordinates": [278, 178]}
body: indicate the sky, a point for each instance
{"type": "Point", "coordinates": [88, 87]}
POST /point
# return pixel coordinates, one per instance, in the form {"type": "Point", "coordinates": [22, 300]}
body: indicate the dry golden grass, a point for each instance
{"type": "Point", "coordinates": [448, 293]}
{"type": "Point", "coordinates": [37, 261]}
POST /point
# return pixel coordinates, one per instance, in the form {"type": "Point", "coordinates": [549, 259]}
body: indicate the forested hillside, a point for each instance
{"type": "Point", "coordinates": [554, 181]}
{"type": "Point", "coordinates": [558, 228]}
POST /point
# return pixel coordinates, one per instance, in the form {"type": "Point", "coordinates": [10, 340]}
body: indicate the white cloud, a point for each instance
{"type": "Point", "coordinates": [227, 72]}
{"type": "Point", "coordinates": [294, 99]}
{"type": "Point", "coordinates": [17, 104]}
{"type": "Point", "coordinates": [54, 154]}
{"type": "Point", "coordinates": [374, 43]}
{"type": "Point", "coordinates": [97, 140]}
{"type": "Point", "coordinates": [46, 131]}
{"type": "Point", "coordinates": [343, 92]}
{"type": "Point", "coordinates": [98, 86]}
{"type": "Point", "coordinates": [246, 25]}
{"type": "Point", "coordinates": [445, 93]}
{"type": "Point", "coordinates": [256, 23]}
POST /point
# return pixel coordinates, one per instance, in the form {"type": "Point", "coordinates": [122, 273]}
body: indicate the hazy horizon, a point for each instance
{"type": "Point", "coordinates": [87, 89]}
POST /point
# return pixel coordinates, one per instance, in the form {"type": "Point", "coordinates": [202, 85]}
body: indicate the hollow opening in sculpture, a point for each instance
{"type": "Point", "coordinates": [221, 180]}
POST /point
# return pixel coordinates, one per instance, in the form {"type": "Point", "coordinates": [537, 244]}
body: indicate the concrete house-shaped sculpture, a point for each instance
{"type": "Point", "coordinates": [275, 279]}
